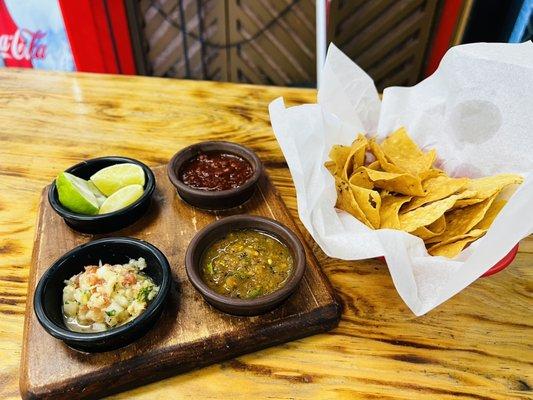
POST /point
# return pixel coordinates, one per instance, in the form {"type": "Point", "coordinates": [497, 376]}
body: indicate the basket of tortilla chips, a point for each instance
{"type": "Point", "coordinates": [400, 188]}
{"type": "Point", "coordinates": [436, 178]}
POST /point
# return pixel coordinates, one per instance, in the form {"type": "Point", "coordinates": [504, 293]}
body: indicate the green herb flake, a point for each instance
{"type": "Point", "coordinates": [209, 268]}
{"type": "Point", "coordinates": [143, 293]}
{"type": "Point", "coordinates": [252, 294]}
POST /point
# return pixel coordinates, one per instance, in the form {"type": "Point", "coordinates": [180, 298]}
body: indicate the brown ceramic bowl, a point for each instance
{"type": "Point", "coordinates": [204, 238]}
{"type": "Point", "coordinates": [214, 200]}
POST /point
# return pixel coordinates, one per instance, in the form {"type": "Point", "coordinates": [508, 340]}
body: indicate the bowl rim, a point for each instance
{"type": "Point", "coordinates": [62, 333]}
{"type": "Point", "coordinates": [178, 159]}
{"type": "Point", "coordinates": [53, 196]}
{"type": "Point", "coordinates": [295, 244]}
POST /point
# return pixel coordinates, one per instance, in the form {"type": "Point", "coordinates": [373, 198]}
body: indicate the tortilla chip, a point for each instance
{"type": "Point", "coordinates": [405, 153]}
{"type": "Point", "coordinates": [450, 248]}
{"type": "Point", "coordinates": [427, 214]}
{"type": "Point", "coordinates": [356, 156]}
{"type": "Point", "coordinates": [490, 185]}
{"type": "Point", "coordinates": [400, 183]}
{"type": "Point", "coordinates": [346, 201]}
{"type": "Point", "coordinates": [369, 202]}
{"type": "Point", "coordinates": [390, 208]}
{"type": "Point", "coordinates": [467, 202]}
{"type": "Point", "coordinates": [431, 173]}
{"type": "Point", "coordinates": [432, 230]}
{"type": "Point", "coordinates": [375, 165]}
{"type": "Point", "coordinates": [339, 155]}
{"type": "Point", "coordinates": [331, 167]}
{"type": "Point", "coordinates": [438, 226]}
{"type": "Point", "coordinates": [360, 178]}
{"type": "Point", "coordinates": [437, 188]}
{"type": "Point", "coordinates": [491, 214]}
{"type": "Point", "coordinates": [385, 164]}
{"type": "Point", "coordinates": [359, 147]}
{"type": "Point", "coordinates": [461, 220]}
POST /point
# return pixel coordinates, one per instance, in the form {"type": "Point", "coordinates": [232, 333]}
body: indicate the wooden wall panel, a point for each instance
{"type": "Point", "coordinates": [284, 53]}
{"type": "Point", "coordinates": [387, 38]}
{"type": "Point", "coordinates": [273, 42]}
{"type": "Point", "coordinates": [260, 41]}
{"type": "Point", "coordinates": [167, 49]}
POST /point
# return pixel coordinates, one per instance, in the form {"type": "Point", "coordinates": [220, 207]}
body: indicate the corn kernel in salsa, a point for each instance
{"type": "Point", "coordinates": [246, 264]}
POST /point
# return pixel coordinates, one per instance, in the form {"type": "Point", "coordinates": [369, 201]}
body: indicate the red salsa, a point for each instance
{"type": "Point", "coordinates": [215, 171]}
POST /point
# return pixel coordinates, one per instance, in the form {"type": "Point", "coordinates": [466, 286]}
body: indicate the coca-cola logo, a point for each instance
{"type": "Point", "coordinates": [23, 45]}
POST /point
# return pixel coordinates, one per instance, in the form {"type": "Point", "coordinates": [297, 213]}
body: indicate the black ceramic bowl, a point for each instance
{"type": "Point", "coordinates": [48, 296]}
{"type": "Point", "coordinates": [214, 200]}
{"type": "Point", "coordinates": [106, 222]}
{"type": "Point", "coordinates": [204, 238]}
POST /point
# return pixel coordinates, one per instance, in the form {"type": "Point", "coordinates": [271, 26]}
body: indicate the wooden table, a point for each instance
{"type": "Point", "coordinates": [477, 345]}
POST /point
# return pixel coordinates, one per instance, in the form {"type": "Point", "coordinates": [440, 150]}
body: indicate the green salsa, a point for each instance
{"type": "Point", "coordinates": [246, 264]}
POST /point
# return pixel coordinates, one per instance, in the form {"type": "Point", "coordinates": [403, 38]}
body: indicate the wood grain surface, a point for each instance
{"type": "Point", "coordinates": [190, 334]}
{"type": "Point", "coordinates": [477, 345]}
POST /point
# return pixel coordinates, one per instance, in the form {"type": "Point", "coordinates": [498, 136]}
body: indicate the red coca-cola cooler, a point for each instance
{"type": "Point", "coordinates": [67, 35]}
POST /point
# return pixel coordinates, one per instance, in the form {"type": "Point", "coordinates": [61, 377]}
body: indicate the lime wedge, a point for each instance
{"type": "Point", "coordinates": [74, 194]}
{"type": "Point", "coordinates": [110, 179]}
{"type": "Point", "coordinates": [121, 198]}
{"type": "Point", "coordinates": [100, 198]}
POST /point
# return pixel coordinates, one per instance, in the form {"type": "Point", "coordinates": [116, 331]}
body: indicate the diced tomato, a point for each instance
{"type": "Point", "coordinates": [91, 268]}
{"type": "Point", "coordinates": [94, 280]}
{"type": "Point", "coordinates": [130, 279]}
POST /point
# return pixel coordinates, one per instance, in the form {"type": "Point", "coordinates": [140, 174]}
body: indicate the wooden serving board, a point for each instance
{"type": "Point", "coordinates": [190, 333]}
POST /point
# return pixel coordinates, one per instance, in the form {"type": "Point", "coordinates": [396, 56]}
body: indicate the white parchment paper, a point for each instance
{"type": "Point", "coordinates": [476, 110]}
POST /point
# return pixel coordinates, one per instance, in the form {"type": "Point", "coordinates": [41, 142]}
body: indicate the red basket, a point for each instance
{"type": "Point", "coordinates": [503, 263]}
